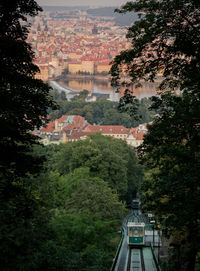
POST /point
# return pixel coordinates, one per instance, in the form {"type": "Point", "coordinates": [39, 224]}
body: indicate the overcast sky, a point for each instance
{"type": "Point", "coordinates": [81, 2]}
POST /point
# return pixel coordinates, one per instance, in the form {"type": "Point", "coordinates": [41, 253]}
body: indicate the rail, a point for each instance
{"type": "Point", "coordinates": [136, 261]}
{"type": "Point", "coordinates": [123, 230]}
{"type": "Point", "coordinates": [155, 259]}
{"type": "Point", "coordinates": [118, 250]}
{"type": "Point", "coordinates": [145, 258]}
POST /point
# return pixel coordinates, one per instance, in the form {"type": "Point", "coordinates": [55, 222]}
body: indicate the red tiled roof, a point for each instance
{"type": "Point", "coordinates": [49, 128]}
{"type": "Point", "coordinates": [140, 135]}
{"type": "Point", "coordinates": [133, 130]}
{"type": "Point", "coordinates": [78, 135]}
{"type": "Point", "coordinates": [43, 67]}
{"type": "Point", "coordinates": [70, 126]}
{"type": "Point", "coordinates": [42, 60]}
{"type": "Point", "coordinates": [61, 119]}
{"type": "Point", "coordinates": [79, 120]}
{"type": "Point", "coordinates": [78, 123]}
{"type": "Point", "coordinates": [106, 129]}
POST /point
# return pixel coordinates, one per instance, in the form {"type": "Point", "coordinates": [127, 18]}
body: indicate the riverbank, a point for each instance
{"type": "Point", "coordinates": [84, 77]}
{"type": "Point", "coordinates": [95, 77]}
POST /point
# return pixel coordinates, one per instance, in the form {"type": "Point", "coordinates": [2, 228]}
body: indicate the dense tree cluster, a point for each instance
{"type": "Point", "coordinates": [23, 106]}
{"type": "Point", "coordinates": [24, 100]}
{"type": "Point", "coordinates": [171, 187]}
{"type": "Point", "coordinates": [111, 160]}
{"type": "Point", "coordinates": [166, 40]}
{"type": "Point", "coordinates": [102, 111]}
{"type": "Point", "coordinates": [85, 182]}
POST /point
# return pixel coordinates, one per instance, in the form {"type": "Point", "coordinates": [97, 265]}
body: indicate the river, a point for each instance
{"type": "Point", "coordinates": [75, 84]}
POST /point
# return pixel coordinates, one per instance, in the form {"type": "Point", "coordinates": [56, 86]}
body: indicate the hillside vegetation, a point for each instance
{"type": "Point", "coordinates": [102, 111]}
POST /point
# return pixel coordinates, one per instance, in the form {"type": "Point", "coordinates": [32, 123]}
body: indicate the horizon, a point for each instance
{"type": "Point", "coordinates": [81, 3]}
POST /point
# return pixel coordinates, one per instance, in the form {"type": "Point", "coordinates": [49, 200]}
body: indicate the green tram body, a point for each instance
{"type": "Point", "coordinates": [136, 233]}
{"type": "Point", "coordinates": [135, 204]}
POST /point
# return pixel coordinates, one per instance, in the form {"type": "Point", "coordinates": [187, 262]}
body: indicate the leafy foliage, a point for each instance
{"type": "Point", "coordinates": [171, 151]}
{"type": "Point", "coordinates": [166, 38]}
{"type": "Point", "coordinates": [24, 102]}
{"type": "Point", "coordinates": [171, 187]}
{"type": "Point", "coordinates": [49, 221]}
{"type": "Point", "coordinates": [111, 160]}
{"type": "Point", "coordinates": [104, 112]}
{"type": "Point", "coordinates": [166, 41]}
{"type": "Point", "coordinates": [86, 216]}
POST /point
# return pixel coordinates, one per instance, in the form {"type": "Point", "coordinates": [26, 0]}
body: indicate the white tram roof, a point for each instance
{"type": "Point", "coordinates": [135, 224]}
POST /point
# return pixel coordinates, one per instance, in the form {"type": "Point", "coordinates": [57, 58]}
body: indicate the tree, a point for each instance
{"type": "Point", "coordinates": [125, 178]}
{"type": "Point", "coordinates": [78, 193]}
{"type": "Point", "coordinates": [109, 159]}
{"type": "Point", "coordinates": [82, 95]}
{"type": "Point", "coordinates": [86, 217]}
{"type": "Point", "coordinates": [24, 101]}
{"type": "Point", "coordinates": [63, 96]}
{"type": "Point", "coordinates": [101, 160]}
{"type": "Point", "coordinates": [113, 117]}
{"type": "Point", "coordinates": [171, 152]}
{"type": "Point", "coordinates": [81, 243]}
{"type": "Point", "coordinates": [104, 111]}
{"type": "Point", "coordinates": [165, 40]}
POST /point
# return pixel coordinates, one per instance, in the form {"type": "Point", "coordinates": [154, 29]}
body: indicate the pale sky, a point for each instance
{"type": "Point", "coordinates": [81, 2]}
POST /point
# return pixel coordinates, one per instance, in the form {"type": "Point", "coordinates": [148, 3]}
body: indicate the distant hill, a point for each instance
{"type": "Point", "coordinates": [60, 8]}
{"type": "Point", "coordinates": [120, 19]}
{"type": "Point", "coordinates": [104, 11]}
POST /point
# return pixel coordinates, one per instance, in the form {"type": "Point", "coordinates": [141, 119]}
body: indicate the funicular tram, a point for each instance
{"type": "Point", "coordinates": [135, 233]}
{"type": "Point", "coordinates": [135, 204]}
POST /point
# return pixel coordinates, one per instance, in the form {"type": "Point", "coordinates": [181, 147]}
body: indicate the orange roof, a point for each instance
{"type": "Point", "coordinates": [78, 123]}
{"type": "Point", "coordinates": [70, 126]}
{"type": "Point", "coordinates": [78, 135]}
{"type": "Point", "coordinates": [61, 119]}
{"type": "Point", "coordinates": [106, 129]}
{"type": "Point", "coordinates": [43, 67]}
{"type": "Point", "coordinates": [133, 130]}
{"type": "Point", "coordinates": [50, 127]}
{"type": "Point", "coordinates": [140, 135]}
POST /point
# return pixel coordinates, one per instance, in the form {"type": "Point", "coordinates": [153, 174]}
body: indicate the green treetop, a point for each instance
{"type": "Point", "coordinates": [110, 159]}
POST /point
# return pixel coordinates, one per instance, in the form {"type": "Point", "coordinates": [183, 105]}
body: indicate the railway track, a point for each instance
{"type": "Point", "coordinates": [141, 259]}
{"type": "Point", "coordinates": [136, 260]}
{"type": "Point", "coordinates": [134, 257]}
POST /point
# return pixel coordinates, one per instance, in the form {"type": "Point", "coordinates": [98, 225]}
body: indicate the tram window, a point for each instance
{"type": "Point", "coordinates": [136, 231]}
